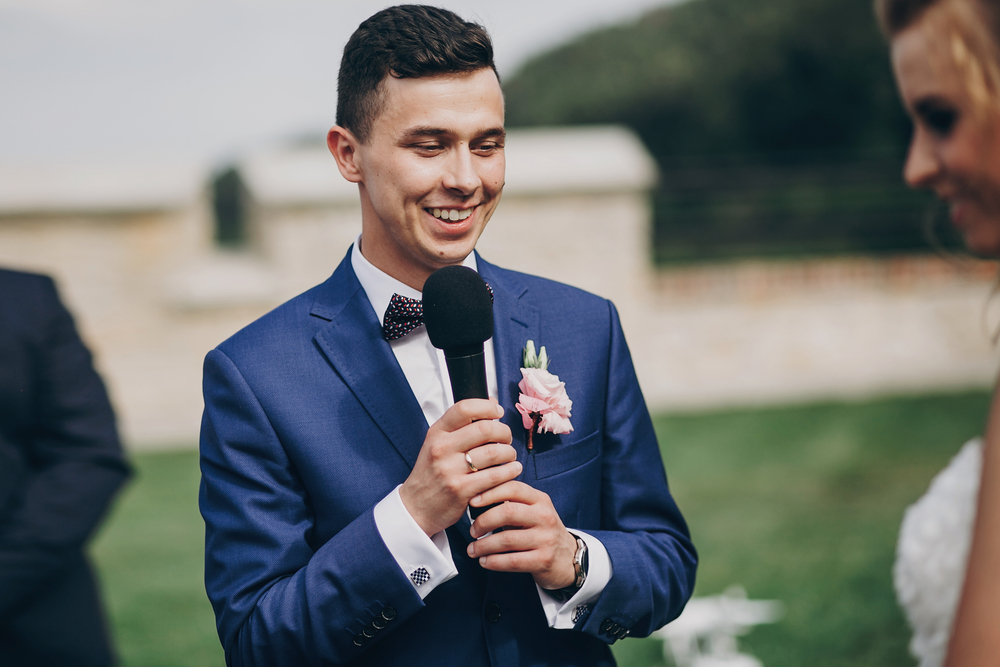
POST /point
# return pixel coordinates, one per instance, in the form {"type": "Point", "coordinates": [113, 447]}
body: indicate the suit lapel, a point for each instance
{"type": "Point", "coordinates": [515, 323]}
{"type": "Point", "coordinates": [352, 342]}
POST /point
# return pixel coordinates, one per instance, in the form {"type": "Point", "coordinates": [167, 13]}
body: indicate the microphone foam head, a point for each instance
{"type": "Point", "coordinates": [458, 310]}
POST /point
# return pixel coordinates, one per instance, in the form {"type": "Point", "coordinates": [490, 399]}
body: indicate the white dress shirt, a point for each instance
{"type": "Point", "coordinates": [427, 374]}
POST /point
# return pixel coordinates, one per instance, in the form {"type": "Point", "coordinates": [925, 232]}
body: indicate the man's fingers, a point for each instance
{"type": "Point", "coordinates": [482, 431]}
{"type": "Point", "coordinates": [514, 491]}
{"type": "Point", "coordinates": [515, 507]}
{"type": "Point", "coordinates": [542, 565]}
{"type": "Point", "coordinates": [467, 425]}
{"type": "Point", "coordinates": [518, 561]}
{"type": "Point", "coordinates": [494, 476]}
{"type": "Point", "coordinates": [502, 515]}
{"type": "Point", "coordinates": [535, 539]}
{"type": "Point", "coordinates": [489, 455]}
{"type": "Point", "coordinates": [468, 411]}
{"type": "Point", "coordinates": [530, 550]}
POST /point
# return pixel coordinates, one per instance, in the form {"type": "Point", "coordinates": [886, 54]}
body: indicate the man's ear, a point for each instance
{"type": "Point", "coordinates": [344, 147]}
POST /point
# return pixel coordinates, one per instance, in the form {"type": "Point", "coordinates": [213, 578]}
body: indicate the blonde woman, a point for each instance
{"type": "Point", "coordinates": [946, 58]}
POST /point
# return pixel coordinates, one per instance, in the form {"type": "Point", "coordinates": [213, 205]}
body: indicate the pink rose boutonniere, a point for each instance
{"type": "Point", "coordinates": [543, 404]}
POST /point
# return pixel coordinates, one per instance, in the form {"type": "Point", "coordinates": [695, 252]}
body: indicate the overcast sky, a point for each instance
{"type": "Point", "coordinates": [152, 80]}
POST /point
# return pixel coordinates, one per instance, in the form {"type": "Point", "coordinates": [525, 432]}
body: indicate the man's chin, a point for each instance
{"type": "Point", "coordinates": [455, 252]}
{"type": "Point", "coordinates": [450, 261]}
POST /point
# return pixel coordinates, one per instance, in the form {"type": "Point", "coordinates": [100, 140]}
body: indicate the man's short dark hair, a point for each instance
{"type": "Point", "coordinates": [405, 41]}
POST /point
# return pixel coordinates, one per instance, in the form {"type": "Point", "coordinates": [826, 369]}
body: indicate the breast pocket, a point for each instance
{"type": "Point", "coordinates": [567, 456]}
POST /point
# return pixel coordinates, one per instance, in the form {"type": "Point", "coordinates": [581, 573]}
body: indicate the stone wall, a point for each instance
{"type": "Point", "coordinates": [850, 327]}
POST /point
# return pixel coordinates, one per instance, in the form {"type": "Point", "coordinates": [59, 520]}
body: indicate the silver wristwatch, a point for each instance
{"type": "Point", "coordinates": [580, 563]}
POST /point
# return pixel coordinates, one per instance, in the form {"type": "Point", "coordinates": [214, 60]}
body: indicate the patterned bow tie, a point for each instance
{"type": "Point", "coordinates": [405, 314]}
{"type": "Point", "coordinates": [402, 316]}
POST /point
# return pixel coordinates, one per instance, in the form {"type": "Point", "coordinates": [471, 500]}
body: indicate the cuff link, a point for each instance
{"type": "Point", "coordinates": [420, 576]}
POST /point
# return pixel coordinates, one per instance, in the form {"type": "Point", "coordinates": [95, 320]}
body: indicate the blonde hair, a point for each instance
{"type": "Point", "coordinates": [972, 39]}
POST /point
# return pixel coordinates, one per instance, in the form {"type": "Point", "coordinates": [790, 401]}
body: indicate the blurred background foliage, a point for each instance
{"type": "Point", "coordinates": [775, 124]}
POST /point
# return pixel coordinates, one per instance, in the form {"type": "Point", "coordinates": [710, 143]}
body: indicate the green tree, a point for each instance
{"type": "Point", "coordinates": [725, 77]}
{"type": "Point", "coordinates": [776, 124]}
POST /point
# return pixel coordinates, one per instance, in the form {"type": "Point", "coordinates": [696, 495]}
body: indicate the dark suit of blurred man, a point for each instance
{"type": "Point", "coordinates": [60, 464]}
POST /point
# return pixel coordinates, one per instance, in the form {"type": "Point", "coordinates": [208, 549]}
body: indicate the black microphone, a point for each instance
{"type": "Point", "coordinates": [458, 315]}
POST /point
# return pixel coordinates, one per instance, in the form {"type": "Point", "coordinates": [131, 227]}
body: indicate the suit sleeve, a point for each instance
{"type": "Point", "coordinates": [279, 598]}
{"type": "Point", "coordinates": [653, 559]}
{"type": "Point", "coordinates": [70, 467]}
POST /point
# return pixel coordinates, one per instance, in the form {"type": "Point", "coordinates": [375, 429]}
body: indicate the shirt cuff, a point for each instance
{"type": "Point", "coordinates": [564, 615]}
{"type": "Point", "coordinates": [426, 561]}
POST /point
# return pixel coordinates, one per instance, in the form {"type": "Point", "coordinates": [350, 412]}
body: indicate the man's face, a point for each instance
{"type": "Point", "coordinates": [431, 173]}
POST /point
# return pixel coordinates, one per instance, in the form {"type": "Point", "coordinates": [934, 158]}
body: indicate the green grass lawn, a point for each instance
{"type": "Point", "coordinates": [150, 557]}
{"type": "Point", "coordinates": [799, 504]}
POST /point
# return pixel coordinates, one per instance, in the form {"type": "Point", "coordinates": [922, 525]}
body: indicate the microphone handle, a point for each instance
{"type": "Point", "coordinates": [468, 375]}
{"type": "Point", "coordinates": [468, 380]}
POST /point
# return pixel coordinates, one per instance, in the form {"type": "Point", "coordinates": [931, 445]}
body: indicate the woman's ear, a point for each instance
{"type": "Point", "coordinates": [344, 146]}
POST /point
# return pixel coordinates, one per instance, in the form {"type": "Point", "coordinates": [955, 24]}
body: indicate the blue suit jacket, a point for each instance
{"type": "Point", "coordinates": [309, 422]}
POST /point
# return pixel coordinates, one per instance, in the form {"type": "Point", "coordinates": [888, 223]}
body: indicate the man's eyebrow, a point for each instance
{"type": "Point", "coordinates": [425, 132]}
{"type": "Point", "coordinates": [494, 132]}
{"type": "Point", "coordinates": [429, 131]}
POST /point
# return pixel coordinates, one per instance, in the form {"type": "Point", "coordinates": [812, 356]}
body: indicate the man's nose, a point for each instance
{"type": "Point", "coordinates": [922, 163]}
{"type": "Point", "coordinates": [460, 174]}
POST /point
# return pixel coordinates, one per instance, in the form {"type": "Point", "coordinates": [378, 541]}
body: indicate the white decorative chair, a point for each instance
{"type": "Point", "coordinates": [704, 635]}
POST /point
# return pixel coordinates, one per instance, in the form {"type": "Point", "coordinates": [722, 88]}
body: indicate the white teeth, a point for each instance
{"type": "Point", "coordinates": [451, 214]}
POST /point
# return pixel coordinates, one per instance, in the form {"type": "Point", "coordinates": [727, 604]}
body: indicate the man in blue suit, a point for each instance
{"type": "Point", "coordinates": [336, 470]}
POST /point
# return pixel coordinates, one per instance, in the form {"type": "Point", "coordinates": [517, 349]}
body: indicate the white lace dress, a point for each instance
{"type": "Point", "coordinates": [932, 551]}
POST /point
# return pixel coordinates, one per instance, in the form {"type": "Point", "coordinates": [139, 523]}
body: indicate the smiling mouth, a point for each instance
{"type": "Point", "coordinates": [451, 214]}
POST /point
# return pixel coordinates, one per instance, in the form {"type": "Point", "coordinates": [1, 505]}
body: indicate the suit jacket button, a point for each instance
{"type": "Point", "coordinates": [378, 622]}
{"type": "Point", "coordinates": [493, 612]}
{"type": "Point", "coordinates": [359, 639]}
{"type": "Point", "coordinates": [369, 632]}
{"type": "Point", "coordinates": [388, 613]}
{"type": "Point", "coordinates": [606, 625]}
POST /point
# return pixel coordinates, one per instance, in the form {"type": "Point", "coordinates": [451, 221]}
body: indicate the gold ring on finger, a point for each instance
{"type": "Point", "coordinates": [472, 466]}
